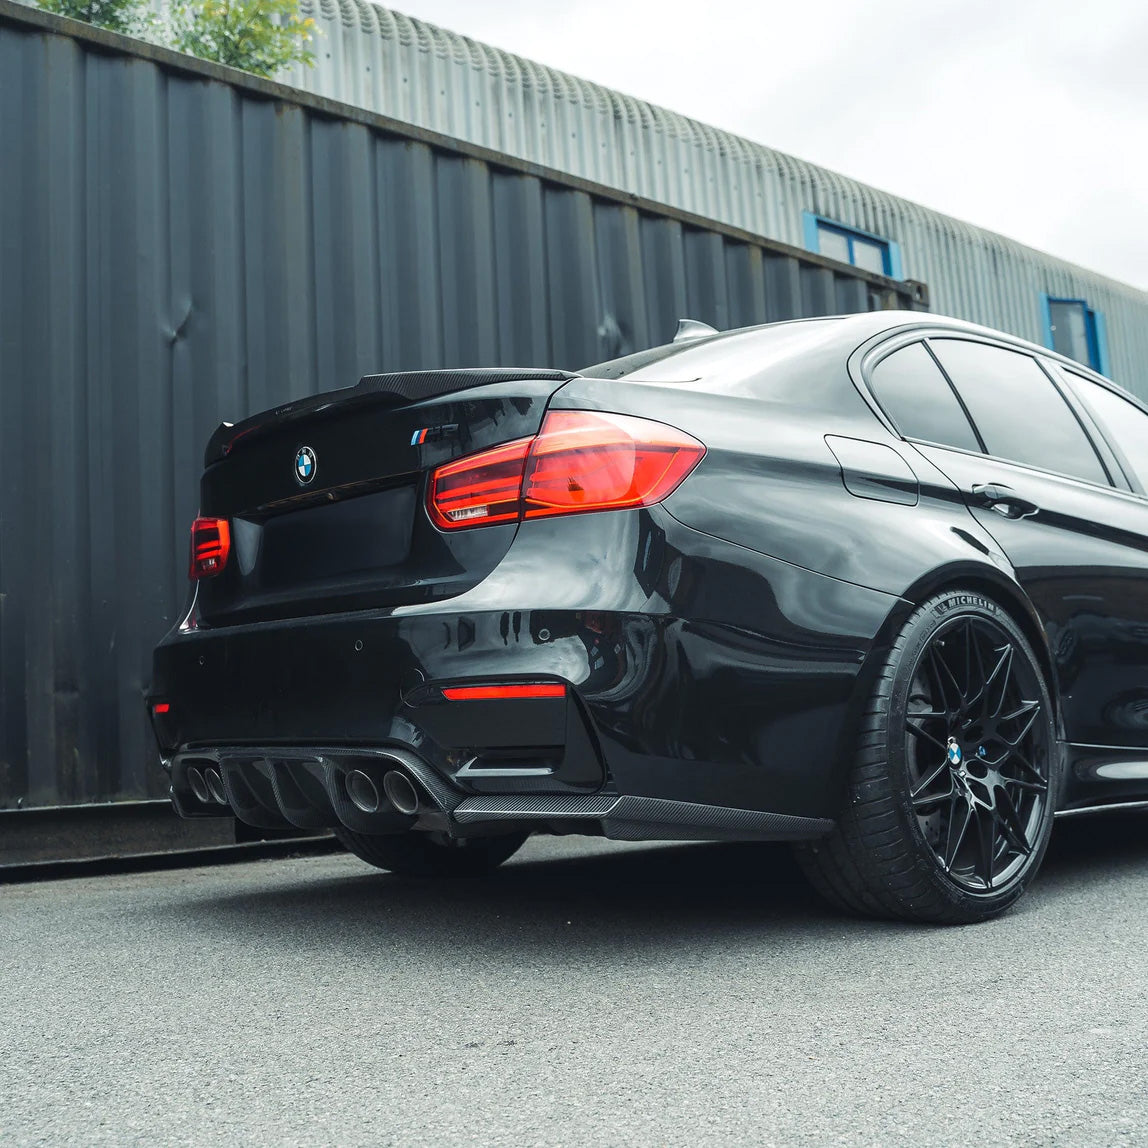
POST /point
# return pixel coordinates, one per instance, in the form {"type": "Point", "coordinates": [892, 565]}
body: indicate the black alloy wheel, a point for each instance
{"type": "Point", "coordinates": [953, 789]}
{"type": "Point", "coordinates": [977, 753]}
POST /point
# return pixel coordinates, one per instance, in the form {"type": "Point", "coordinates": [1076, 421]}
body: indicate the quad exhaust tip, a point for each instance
{"type": "Point", "coordinates": [401, 792]}
{"type": "Point", "coordinates": [198, 785]}
{"type": "Point", "coordinates": [214, 781]}
{"type": "Point", "coordinates": [362, 791]}
{"type": "Point", "coordinates": [398, 789]}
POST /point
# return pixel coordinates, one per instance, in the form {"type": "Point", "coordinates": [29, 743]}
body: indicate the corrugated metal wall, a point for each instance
{"type": "Point", "coordinates": [378, 59]}
{"type": "Point", "coordinates": [176, 250]}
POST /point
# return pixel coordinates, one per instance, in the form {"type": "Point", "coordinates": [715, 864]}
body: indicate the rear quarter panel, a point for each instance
{"type": "Point", "coordinates": [770, 482]}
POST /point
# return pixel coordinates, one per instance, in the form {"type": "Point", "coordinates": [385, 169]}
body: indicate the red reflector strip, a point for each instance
{"type": "Point", "coordinates": [161, 708]}
{"type": "Point", "coordinates": [487, 693]}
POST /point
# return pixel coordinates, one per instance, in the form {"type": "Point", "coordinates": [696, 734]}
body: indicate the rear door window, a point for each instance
{"type": "Point", "coordinates": [918, 399]}
{"type": "Point", "coordinates": [1020, 413]}
{"type": "Point", "coordinates": [1126, 424]}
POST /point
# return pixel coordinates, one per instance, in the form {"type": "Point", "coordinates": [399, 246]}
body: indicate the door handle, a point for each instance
{"type": "Point", "coordinates": [1004, 500]}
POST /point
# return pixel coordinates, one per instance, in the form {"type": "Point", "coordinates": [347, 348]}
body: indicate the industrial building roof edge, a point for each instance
{"type": "Point", "coordinates": [376, 20]}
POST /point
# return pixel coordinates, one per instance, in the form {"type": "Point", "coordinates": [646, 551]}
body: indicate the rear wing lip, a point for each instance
{"type": "Point", "coordinates": [393, 390]}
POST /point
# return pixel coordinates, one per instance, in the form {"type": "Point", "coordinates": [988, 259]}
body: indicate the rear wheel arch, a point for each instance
{"type": "Point", "coordinates": [970, 578]}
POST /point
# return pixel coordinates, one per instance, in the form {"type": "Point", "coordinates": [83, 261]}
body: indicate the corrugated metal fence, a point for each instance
{"type": "Point", "coordinates": [180, 245]}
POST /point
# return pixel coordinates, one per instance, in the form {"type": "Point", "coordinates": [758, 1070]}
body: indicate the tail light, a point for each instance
{"type": "Point", "coordinates": [580, 461]}
{"type": "Point", "coordinates": [480, 489]}
{"type": "Point", "coordinates": [210, 547]}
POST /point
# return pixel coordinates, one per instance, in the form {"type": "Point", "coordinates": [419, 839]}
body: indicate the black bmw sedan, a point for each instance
{"type": "Point", "coordinates": [875, 584]}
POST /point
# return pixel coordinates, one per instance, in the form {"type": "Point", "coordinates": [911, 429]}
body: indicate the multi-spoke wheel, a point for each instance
{"type": "Point", "coordinates": [953, 787]}
{"type": "Point", "coordinates": [420, 854]}
{"type": "Point", "coordinates": [978, 754]}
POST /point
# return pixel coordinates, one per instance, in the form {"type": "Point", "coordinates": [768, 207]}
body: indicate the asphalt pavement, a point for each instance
{"type": "Point", "coordinates": [588, 993]}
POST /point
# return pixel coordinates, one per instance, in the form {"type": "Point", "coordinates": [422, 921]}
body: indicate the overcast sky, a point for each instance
{"type": "Point", "coordinates": [1029, 117]}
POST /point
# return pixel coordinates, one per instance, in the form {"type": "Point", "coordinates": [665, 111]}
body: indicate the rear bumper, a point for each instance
{"type": "Point", "coordinates": [308, 788]}
{"type": "Point", "coordinates": [697, 672]}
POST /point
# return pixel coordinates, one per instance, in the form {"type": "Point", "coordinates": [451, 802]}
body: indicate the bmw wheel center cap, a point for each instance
{"type": "Point", "coordinates": [306, 464]}
{"type": "Point", "coordinates": [955, 755]}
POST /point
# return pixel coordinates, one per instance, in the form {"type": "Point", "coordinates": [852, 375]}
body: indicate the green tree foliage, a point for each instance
{"type": "Point", "coordinates": [260, 36]}
{"type": "Point", "coordinates": [131, 17]}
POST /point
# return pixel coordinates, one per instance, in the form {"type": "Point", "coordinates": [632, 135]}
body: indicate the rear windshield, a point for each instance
{"type": "Point", "coordinates": [696, 354]}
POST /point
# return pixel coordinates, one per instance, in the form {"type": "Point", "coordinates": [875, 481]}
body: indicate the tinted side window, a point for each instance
{"type": "Point", "coordinates": [1020, 414]}
{"type": "Point", "coordinates": [915, 395]}
{"type": "Point", "coordinates": [1126, 425]}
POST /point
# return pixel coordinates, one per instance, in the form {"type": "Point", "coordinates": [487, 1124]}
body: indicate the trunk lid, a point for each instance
{"type": "Point", "coordinates": [326, 495]}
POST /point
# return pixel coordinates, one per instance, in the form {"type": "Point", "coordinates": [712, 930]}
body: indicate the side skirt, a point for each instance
{"type": "Point", "coordinates": [1110, 807]}
{"type": "Point", "coordinates": [628, 818]}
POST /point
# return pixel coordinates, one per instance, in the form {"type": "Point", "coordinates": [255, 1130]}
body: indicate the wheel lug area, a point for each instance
{"type": "Point", "coordinates": [955, 755]}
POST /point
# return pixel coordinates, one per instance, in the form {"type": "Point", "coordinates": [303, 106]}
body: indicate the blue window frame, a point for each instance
{"type": "Point", "coordinates": [852, 245]}
{"type": "Point", "coordinates": [1074, 329]}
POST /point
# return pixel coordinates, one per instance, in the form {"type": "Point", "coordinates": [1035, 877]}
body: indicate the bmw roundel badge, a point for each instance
{"type": "Point", "coordinates": [954, 752]}
{"type": "Point", "coordinates": [305, 465]}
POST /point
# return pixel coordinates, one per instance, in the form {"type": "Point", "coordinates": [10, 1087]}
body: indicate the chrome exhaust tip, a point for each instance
{"type": "Point", "coordinates": [198, 785]}
{"type": "Point", "coordinates": [214, 781]}
{"type": "Point", "coordinates": [401, 792]}
{"type": "Point", "coordinates": [362, 791]}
